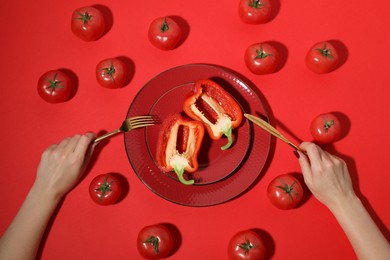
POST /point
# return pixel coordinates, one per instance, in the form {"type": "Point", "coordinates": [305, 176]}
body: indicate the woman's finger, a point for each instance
{"type": "Point", "coordinates": [305, 166]}
{"type": "Point", "coordinates": [84, 143]}
{"type": "Point", "coordinates": [72, 144]}
{"type": "Point", "coordinates": [313, 152]}
{"type": "Point", "coordinates": [62, 144]}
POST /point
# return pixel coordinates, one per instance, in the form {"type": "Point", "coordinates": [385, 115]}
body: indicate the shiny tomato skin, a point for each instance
{"type": "Point", "coordinates": [246, 244]}
{"type": "Point", "coordinates": [154, 242]}
{"type": "Point", "coordinates": [164, 33]}
{"type": "Point", "coordinates": [54, 86]}
{"type": "Point", "coordinates": [105, 189]}
{"type": "Point", "coordinates": [254, 11]}
{"type": "Point", "coordinates": [322, 58]}
{"type": "Point", "coordinates": [87, 23]}
{"type": "Point", "coordinates": [111, 73]}
{"type": "Point", "coordinates": [326, 128]}
{"type": "Point", "coordinates": [285, 191]}
{"type": "Point", "coordinates": [261, 58]}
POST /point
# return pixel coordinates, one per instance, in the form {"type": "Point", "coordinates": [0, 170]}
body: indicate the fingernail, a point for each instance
{"type": "Point", "coordinates": [296, 154]}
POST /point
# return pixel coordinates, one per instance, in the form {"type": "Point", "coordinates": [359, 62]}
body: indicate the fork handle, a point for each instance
{"type": "Point", "coordinates": [98, 139]}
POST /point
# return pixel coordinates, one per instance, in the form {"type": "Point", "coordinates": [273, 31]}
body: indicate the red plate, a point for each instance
{"type": "Point", "coordinates": [222, 175]}
{"type": "Point", "coordinates": [214, 164]}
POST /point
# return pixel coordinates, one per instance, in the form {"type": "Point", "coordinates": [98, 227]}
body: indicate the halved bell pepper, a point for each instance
{"type": "Point", "coordinates": [178, 146]}
{"type": "Point", "coordinates": [216, 108]}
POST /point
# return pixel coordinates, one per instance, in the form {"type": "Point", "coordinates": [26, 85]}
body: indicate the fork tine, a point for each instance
{"type": "Point", "coordinates": [141, 125]}
{"type": "Point", "coordinates": [141, 118]}
{"type": "Point", "coordinates": [132, 123]}
{"type": "Point", "coordinates": [142, 121]}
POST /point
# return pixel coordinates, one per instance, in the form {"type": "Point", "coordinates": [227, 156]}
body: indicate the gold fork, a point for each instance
{"type": "Point", "coordinates": [270, 129]}
{"type": "Point", "coordinates": [130, 124]}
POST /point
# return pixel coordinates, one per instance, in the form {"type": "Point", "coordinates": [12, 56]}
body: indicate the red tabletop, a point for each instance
{"type": "Point", "coordinates": [36, 37]}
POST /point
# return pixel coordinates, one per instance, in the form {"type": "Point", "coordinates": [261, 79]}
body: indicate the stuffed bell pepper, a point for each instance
{"type": "Point", "coordinates": [178, 146]}
{"type": "Point", "coordinates": [215, 108]}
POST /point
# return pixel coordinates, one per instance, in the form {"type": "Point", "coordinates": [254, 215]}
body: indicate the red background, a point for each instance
{"type": "Point", "coordinates": [35, 37]}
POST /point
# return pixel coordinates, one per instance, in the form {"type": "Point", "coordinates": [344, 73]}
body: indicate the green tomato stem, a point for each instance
{"type": "Point", "coordinates": [85, 17]}
{"type": "Point", "coordinates": [110, 71]}
{"type": "Point", "coordinates": [260, 54]}
{"type": "Point", "coordinates": [255, 4]}
{"type": "Point", "coordinates": [325, 52]}
{"type": "Point", "coordinates": [104, 188]}
{"type": "Point", "coordinates": [288, 189]}
{"type": "Point", "coordinates": [154, 241]}
{"type": "Point", "coordinates": [247, 246]}
{"type": "Point", "coordinates": [54, 84]}
{"type": "Point", "coordinates": [328, 125]}
{"type": "Point", "coordinates": [165, 26]}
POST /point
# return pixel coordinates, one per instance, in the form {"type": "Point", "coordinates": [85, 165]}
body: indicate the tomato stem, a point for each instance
{"type": "Point", "coordinates": [110, 71]}
{"type": "Point", "coordinates": [246, 246]}
{"type": "Point", "coordinates": [325, 52]}
{"type": "Point", "coordinates": [165, 26]}
{"type": "Point", "coordinates": [328, 125]}
{"type": "Point", "coordinates": [155, 243]}
{"type": "Point", "coordinates": [104, 188]}
{"type": "Point", "coordinates": [54, 83]}
{"type": "Point", "coordinates": [255, 4]}
{"type": "Point", "coordinates": [85, 17]}
{"type": "Point", "coordinates": [288, 189]}
{"type": "Point", "coordinates": [261, 54]}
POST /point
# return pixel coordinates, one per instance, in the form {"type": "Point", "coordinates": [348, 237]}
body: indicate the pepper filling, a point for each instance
{"type": "Point", "coordinates": [211, 113]}
{"type": "Point", "coordinates": [180, 146]}
{"type": "Point", "coordinates": [182, 138]}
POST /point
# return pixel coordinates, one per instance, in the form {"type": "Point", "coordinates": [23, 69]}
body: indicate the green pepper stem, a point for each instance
{"type": "Point", "coordinates": [228, 134]}
{"type": "Point", "coordinates": [180, 175]}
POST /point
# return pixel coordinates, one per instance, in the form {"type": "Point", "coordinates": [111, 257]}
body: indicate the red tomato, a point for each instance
{"type": "Point", "coordinates": [254, 11]}
{"type": "Point", "coordinates": [164, 33]}
{"type": "Point", "coordinates": [285, 191]}
{"type": "Point", "coordinates": [154, 242]}
{"type": "Point", "coordinates": [105, 189]}
{"type": "Point", "coordinates": [261, 58]}
{"type": "Point", "coordinates": [325, 128]}
{"type": "Point", "coordinates": [246, 244]}
{"type": "Point", "coordinates": [322, 58]}
{"type": "Point", "coordinates": [87, 23]}
{"type": "Point", "coordinates": [54, 86]}
{"type": "Point", "coordinates": [111, 73]}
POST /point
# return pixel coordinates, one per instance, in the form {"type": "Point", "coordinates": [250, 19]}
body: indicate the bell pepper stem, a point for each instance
{"type": "Point", "coordinates": [180, 175]}
{"type": "Point", "coordinates": [228, 134]}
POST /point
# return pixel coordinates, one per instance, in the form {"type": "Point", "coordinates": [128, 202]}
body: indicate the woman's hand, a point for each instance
{"type": "Point", "coordinates": [63, 164]}
{"type": "Point", "coordinates": [328, 179]}
{"type": "Point", "coordinates": [326, 175]}
{"type": "Point", "coordinates": [61, 167]}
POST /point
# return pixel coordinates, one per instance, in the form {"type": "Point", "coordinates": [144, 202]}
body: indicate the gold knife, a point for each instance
{"type": "Point", "coordinates": [270, 129]}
